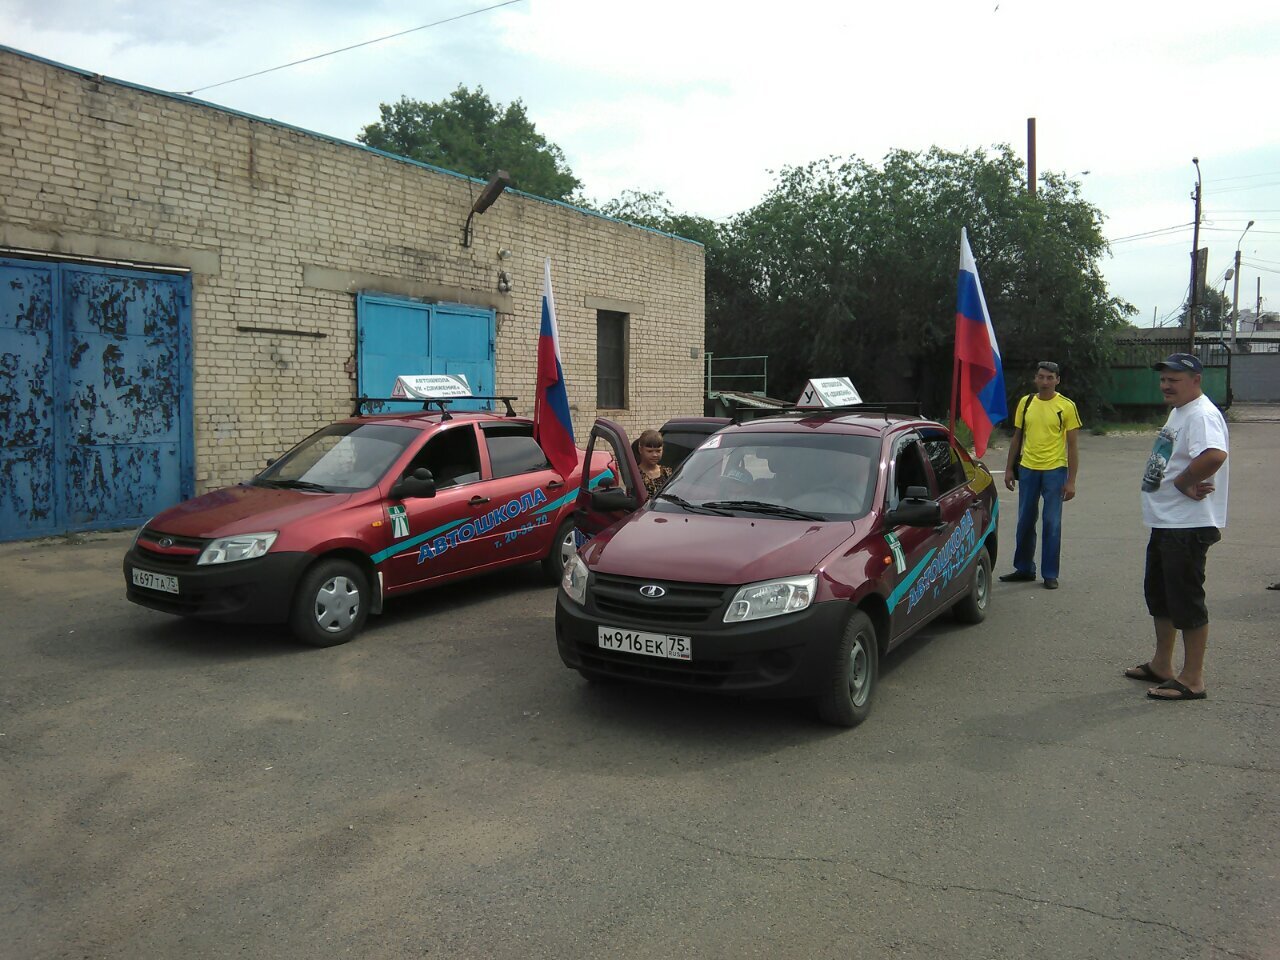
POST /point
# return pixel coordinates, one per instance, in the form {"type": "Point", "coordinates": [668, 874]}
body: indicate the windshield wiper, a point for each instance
{"type": "Point", "coordinates": [692, 507]}
{"type": "Point", "coordinates": [298, 485]}
{"type": "Point", "coordinates": [759, 506]}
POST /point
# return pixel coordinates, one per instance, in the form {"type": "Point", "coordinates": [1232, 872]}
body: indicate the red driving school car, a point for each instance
{"type": "Point", "coordinates": [784, 557]}
{"type": "Point", "coordinates": [366, 508]}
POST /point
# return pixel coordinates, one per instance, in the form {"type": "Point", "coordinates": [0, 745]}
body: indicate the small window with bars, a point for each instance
{"type": "Point", "coordinates": [611, 359]}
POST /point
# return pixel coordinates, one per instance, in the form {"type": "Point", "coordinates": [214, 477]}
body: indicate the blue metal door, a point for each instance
{"type": "Point", "coordinates": [28, 304]}
{"type": "Point", "coordinates": [99, 403]}
{"type": "Point", "coordinates": [398, 336]}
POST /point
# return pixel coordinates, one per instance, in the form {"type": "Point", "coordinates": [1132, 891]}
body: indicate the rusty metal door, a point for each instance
{"type": "Point", "coordinates": [104, 397]}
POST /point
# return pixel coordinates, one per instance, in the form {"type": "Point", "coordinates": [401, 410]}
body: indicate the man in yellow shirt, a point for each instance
{"type": "Point", "coordinates": [1044, 445]}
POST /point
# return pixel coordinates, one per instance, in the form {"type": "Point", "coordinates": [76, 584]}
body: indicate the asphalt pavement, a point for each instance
{"type": "Point", "coordinates": [443, 787]}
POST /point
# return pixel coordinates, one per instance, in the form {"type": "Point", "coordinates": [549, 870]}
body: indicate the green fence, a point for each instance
{"type": "Point", "coordinates": [1132, 382]}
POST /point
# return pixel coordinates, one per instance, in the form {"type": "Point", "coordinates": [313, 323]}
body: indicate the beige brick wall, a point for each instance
{"type": "Point", "coordinates": [281, 228]}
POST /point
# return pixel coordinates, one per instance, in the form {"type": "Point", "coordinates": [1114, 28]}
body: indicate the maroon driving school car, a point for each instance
{"type": "Point", "coordinates": [785, 557]}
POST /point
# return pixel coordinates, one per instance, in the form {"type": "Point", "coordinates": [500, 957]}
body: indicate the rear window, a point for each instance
{"type": "Point", "coordinates": [829, 475]}
{"type": "Point", "coordinates": [513, 450]}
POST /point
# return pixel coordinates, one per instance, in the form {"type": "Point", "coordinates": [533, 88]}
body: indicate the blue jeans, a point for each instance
{"type": "Point", "coordinates": [1033, 485]}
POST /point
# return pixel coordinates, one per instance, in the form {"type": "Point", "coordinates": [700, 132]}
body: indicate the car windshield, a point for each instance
{"type": "Point", "coordinates": [341, 458]}
{"type": "Point", "coordinates": [805, 476]}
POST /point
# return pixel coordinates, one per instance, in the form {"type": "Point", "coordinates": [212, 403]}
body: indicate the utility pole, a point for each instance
{"type": "Point", "coordinates": [1235, 296]}
{"type": "Point", "coordinates": [1031, 156]}
{"type": "Point", "coordinates": [1257, 317]}
{"type": "Point", "coordinates": [1195, 263]}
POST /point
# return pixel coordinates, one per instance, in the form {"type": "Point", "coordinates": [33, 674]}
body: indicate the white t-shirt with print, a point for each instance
{"type": "Point", "coordinates": [1190, 430]}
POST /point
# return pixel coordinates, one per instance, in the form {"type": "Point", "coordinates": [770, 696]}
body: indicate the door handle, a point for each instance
{"type": "Point", "coordinates": [555, 484]}
{"type": "Point", "coordinates": [477, 500]}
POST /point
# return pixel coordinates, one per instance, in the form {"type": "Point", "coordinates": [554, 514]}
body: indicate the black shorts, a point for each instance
{"type": "Point", "coordinates": [1174, 584]}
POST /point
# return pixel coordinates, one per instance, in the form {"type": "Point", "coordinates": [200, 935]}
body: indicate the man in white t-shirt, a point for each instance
{"type": "Point", "coordinates": [1184, 502]}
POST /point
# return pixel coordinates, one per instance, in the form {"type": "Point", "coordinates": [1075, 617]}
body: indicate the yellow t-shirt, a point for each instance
{"type": "Point", "coordinates": [1044, 434]}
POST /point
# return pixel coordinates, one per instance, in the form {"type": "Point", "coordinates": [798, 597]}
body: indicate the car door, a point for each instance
{"type": "Point", "coordinates": [437, 536]}
{"type": "Point", "coordinates": [962, 513]}
{"type": "Point", "coordinates": [524, 494]}
{"type": "Point", "coordinates": [620, 481]}
{"type": "Point", "coordinates": [912, 548]}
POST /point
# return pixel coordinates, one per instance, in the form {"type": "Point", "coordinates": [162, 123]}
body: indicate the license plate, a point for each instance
{"type": "Point", "coordinates": [649, 644]}
{"type": "Point", "coordinates": [155, 581]}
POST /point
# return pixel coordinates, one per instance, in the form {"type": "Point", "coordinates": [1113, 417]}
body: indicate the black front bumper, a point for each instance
{"type": "Point", "coordinates": [248, 591]}
{"type": "Point", "coordinates": [787, 656]}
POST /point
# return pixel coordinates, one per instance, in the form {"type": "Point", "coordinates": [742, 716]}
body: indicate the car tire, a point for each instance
{"type": "Point", "coordinates": [972, 607]}
{"type": "Point", "coordinates": [846, 701]}
{"type": "Point", "coordinates": [562, 548]}
{"type": "Point", "coordinates": [331, 603]}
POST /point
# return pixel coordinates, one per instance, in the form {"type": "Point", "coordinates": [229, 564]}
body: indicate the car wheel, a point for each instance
{"type": "Point", "coordinates": [331, 603]}
{"type": "Point", "coordinates": [846, 701]}
{"type": "Point", "coordinates": [972, 607]}
{"type": "Point", "coordinates": [562, 548]}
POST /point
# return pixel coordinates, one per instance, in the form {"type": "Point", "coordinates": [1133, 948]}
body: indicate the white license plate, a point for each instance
{"type": "Point", "coordinates": [649, 644]}
{"type": "Point", "coordinates": [154, 581]}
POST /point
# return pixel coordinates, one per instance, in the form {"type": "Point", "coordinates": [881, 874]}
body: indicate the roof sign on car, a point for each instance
{"type": "Point", "coordinates": [434, 386]}
{"type": "Point", "coordinates": [828, 392]}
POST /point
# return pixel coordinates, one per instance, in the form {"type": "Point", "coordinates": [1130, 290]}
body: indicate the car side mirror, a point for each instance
{"type": "Point", "coordinates": [420, 483]}
{"type": "Point", "coordinates": [915, 510]}
{"type": "Point", "coordinates": [612, 500]}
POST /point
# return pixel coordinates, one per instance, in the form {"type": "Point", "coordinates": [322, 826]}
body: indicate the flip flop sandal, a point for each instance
{"type": "Point", "coordinates": [1184, 692]}
{"type": "Point", "coordinates": [1144, 673]}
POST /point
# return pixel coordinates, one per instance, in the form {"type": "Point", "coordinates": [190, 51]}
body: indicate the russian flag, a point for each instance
{"type": "Point", "coordinates": [978, 370]}
{"type": "Point", "coordinates": [552, 426]}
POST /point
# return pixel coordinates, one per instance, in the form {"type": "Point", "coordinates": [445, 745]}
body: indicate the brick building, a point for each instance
{"type": "Point", "coordinates": [186, 291]}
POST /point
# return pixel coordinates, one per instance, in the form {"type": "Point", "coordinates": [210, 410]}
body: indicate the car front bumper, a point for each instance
{"type": "Point", "coordinates": [786, 656]}
{"type": "Point", "coordinates": [247, 591]}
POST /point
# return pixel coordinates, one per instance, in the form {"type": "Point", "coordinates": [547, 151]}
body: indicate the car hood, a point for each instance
{"type": "Point", "coordinates": [703, 549]}
{"type": "Point", "coordinates": [243, 509]}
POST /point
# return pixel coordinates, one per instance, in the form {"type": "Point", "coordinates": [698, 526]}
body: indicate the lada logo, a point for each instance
{"type": "Point", "coordinates": [652, 591]}
{"type": "Point", "coordinates": [165, 542]}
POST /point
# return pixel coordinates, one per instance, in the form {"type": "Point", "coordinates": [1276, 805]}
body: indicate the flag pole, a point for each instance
{"type": "Point", "coordinates": [955, 392]}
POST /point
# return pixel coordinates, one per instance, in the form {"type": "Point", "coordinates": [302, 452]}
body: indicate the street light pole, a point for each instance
{"type": "Point", "coordinates": [1195, 265]}
{"type": "Point", "coordinates": [1235, 296]}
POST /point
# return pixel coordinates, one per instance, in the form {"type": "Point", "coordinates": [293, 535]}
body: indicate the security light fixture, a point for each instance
{"type": "Point", "coordinates": [492, 190]}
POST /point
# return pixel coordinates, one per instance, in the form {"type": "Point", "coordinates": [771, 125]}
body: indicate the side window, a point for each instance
{"type": "Point", "coordinates": [947, 467]}
{"type": "Point", "coordinates": [451, 456]}
{"type": "Point", "coordinates": [908, 471]}
{"type": "Point", "coordinates": [611, 359]}
{"type": "Point", "coordinates": [513, 450]}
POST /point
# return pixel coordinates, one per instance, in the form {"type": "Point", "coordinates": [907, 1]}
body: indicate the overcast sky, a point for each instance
{"type": "Point", "coordinates": [703, 99]}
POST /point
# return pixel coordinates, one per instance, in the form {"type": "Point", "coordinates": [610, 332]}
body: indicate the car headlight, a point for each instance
{"type": "Point", "coordinates": [243, 546]}
{"type": "Point", "coordinates": [574, 580]}
{"type": "Point", "coordinates": [773, 598]}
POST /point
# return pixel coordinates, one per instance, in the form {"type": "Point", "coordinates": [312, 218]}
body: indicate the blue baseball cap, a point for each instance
{"type": "Point", "coordinates": [1180, 362]}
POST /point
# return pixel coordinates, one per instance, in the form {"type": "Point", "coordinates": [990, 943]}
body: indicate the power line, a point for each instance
{"type": "Point", "coordinates": [354, 46]}
{"type": "Point", "coordinates": [1146, 234]}
{"type": "Point", "coordinates": [1245, 176]}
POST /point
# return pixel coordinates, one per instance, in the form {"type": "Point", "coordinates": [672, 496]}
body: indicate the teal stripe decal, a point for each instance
{"type": "Point", "coordinates": [901, 590]}
{"type": "Point", "coordinates": [383, 555]}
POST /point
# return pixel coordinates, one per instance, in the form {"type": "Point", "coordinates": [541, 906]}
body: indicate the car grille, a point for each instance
{"type": "Point", "coordinates": [168, 550]}
{"type": "Point", "coordinates": [682, 605]}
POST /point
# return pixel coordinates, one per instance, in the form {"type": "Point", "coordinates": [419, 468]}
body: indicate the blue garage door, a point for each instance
{"type": "Point", "coordinates": [95, 397]}
{"type": "Point", "coordinates": [398, 336]}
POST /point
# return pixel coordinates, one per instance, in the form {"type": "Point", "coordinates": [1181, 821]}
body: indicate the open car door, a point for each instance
{"type": "Point", "coordinates": [611, 483]}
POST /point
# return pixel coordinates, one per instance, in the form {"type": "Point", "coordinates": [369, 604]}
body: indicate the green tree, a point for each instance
{"type": "Point", "coordinates": [1213, 311]}
{"type": "Point", "coordinates": [845, 268]}
{"type": "Point", "coordinates": [469, 133]}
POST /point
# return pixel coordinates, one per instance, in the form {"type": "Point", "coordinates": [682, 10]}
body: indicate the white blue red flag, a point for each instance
{"type": "Point", "coordinates": [978, 370]}
{"type": "Point", "coordinates": [552, 426]}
